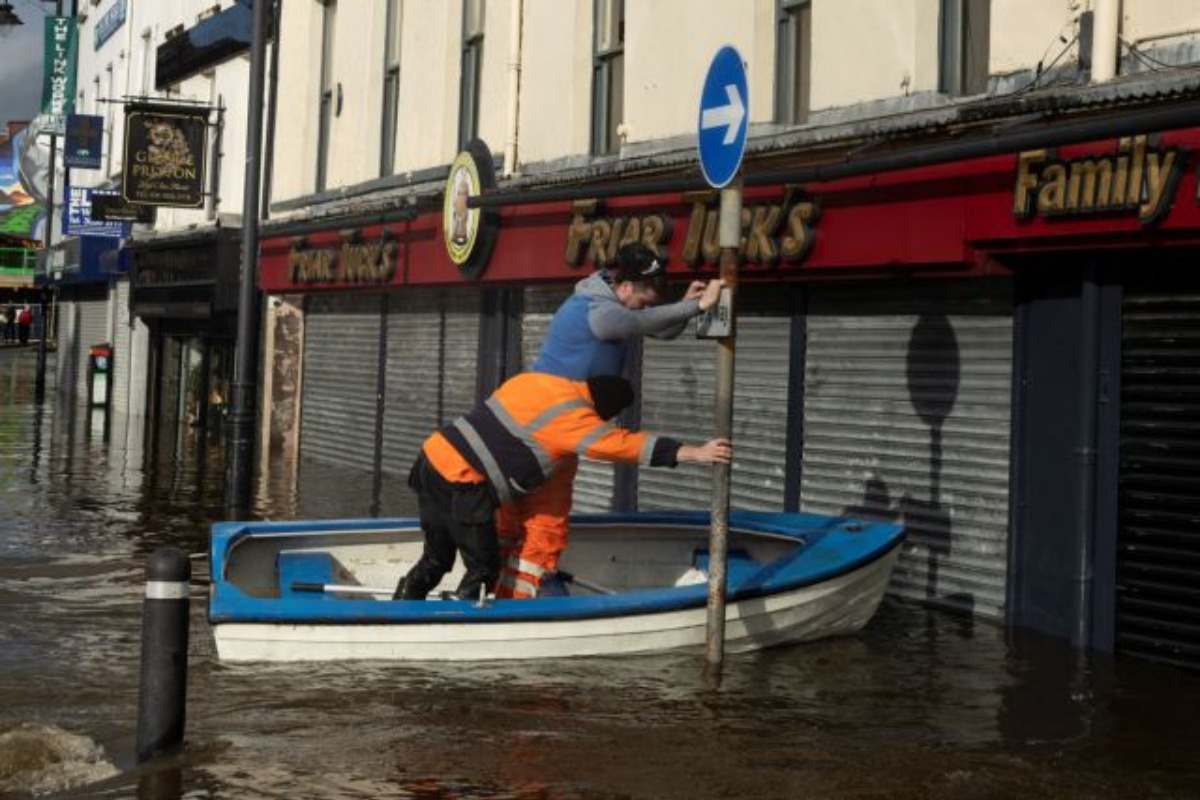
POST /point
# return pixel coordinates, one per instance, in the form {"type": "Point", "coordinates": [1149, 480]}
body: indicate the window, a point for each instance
{"type": "Point", "coordinates": [391, 88]}
{"type": "Point", "coordinates": [325, 122]}
{"type": "Point", "coordinates": [793, 60]}
{"type": "Point", "coordinates": [608, 76]}
{"type": "Point", "coordinates": [964, 30]}
{"type": "Point", "coordinates": [472, 70]}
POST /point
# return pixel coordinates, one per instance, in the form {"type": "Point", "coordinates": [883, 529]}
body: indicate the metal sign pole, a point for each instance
{"type": "Point", "coordinates": [730, 233]}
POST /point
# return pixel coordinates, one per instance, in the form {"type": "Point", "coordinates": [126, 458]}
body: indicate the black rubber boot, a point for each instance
{"type": "Point", "coordinates": [411, 587]}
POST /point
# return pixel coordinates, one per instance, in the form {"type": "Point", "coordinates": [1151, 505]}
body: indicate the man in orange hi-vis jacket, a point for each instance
{"type": "Point", "coordinates": [523, 440]}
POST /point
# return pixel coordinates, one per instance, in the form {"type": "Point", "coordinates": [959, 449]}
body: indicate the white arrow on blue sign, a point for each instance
{"type": "Point", "coordinates": [723, 117]}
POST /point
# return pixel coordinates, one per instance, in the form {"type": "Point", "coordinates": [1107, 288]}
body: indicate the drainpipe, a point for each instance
{"type": "Point", "coordinates": [1106, 34]}
{"type": "Point", "coordinates": [1084, 575]}
{"type": "Point", "coordinates": [517, 9]}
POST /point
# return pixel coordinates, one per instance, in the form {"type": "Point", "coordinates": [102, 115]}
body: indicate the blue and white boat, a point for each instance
{"type": "Point", "coordinates": [632, 583]}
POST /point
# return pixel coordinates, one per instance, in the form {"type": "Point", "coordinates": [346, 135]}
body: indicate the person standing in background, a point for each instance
{"type": "Point", "coordinates": [24, 323]}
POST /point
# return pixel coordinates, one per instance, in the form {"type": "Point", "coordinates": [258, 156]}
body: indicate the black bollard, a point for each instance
{"type": "Point", "coordinates": [163, 696]}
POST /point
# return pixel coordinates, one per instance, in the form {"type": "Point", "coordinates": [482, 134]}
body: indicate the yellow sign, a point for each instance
{"type": "Point", "coordinates": [460, 225]}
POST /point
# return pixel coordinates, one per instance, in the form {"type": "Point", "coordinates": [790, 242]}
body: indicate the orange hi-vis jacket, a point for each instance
{"type": "Point", "coordinates": [516, 438]}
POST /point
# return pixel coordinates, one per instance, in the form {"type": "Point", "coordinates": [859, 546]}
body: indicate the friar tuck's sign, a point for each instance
{"type": "Point", "coordinates": [771, 232]}
{"type": "Point", "coordinates": [164, 156]}
{"type": "Point", "coordinates": [355, 261]}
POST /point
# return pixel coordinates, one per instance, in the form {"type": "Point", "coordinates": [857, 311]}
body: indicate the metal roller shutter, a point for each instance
{"type": "Point", "coordinates": [432, 364]}
{"type": "Point", "coordinates": [340, 381]}
{"type": "Point", "coordinates": [679, 400]}
{"type": "Point", "coordinates": [595, 479]}
{"type": "Point", "coordinates": [907, 411]}
{"type": "Point", "coordinates": [122, 350]}
{"type": "Point", "coordinates": [92, 328]}
{"type": "Point", "coordinates": [1158, 558]}
{"type": "Point", "coordinates": [66, 367]}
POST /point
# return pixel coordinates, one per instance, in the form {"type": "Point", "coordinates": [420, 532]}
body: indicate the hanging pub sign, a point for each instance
{"type": "Point", "coordinates": [85, 135]}
{"type": "Point", "coordinates": [164, 156]}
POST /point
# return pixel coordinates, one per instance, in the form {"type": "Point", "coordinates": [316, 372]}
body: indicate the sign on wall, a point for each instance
{"type": "Point", "coordinates": [58, 81]}
{"type": "Point", "coordinates": [110, 23]}
{"type": "Point", "coordinates": [84, 143]}
{"type": "Point", "coordinates": [469, 233]}
{"type": "Point", "coordinates": [77, 215]}
{"type": "Point", "coordinates": [164, 155]}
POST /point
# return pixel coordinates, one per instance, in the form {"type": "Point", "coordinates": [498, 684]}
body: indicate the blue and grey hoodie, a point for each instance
{"type": "Point", "coordinates": [589, 334]}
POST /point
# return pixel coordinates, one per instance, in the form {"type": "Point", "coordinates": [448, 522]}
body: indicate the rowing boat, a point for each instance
{"type": "Point", "coordinates": [629, 583]}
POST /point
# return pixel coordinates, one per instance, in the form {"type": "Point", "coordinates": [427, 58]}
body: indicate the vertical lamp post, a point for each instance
{"type": "Point", "coordinates": [241, 414]}
{"type": "Point", "coordinates": [39, 391]}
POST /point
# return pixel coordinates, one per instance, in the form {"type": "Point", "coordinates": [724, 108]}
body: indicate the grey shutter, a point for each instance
{"type": "Point", "coordinates": [1158, 552]}
{"type": "Point", "coordinates": [92, 329]}
{"type": "Point", "coordinates": [432, 364]}
{"type": "Point", "coordinates": [66, 368]}
{"type": "Point", "coordinates": [340, 381]}
{"type": "Point", "coordinates": [460, 350]}
{"type": "Point", "coordinates": [594, 481]}
{"type": "Point", "coordinates": [122, 350]}
{"type": "Point", "coordinates": [679, 400]}
{"type": "Point", "coordinates": [890, 369]}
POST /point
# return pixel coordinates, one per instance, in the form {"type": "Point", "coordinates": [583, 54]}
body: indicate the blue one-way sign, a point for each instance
{"type": "Point", "coordinates": [723, 113]}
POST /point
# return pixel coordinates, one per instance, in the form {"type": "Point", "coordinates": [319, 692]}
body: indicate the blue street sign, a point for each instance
{"type": "Point", "coordinates": [724, 105]}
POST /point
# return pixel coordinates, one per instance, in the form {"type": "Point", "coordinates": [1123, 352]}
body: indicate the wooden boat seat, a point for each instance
{"type": "Point", "coordinates": [303, 567]}
{"type": "Point", "coordinates": [739, 566]}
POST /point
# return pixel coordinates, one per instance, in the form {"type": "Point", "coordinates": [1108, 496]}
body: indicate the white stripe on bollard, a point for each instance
{"type": "Point", "coordinates": [166, 590]}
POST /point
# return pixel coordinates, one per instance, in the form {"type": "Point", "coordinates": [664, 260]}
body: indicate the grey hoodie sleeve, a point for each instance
{"type": "Point", "coordinates": [610, 321]}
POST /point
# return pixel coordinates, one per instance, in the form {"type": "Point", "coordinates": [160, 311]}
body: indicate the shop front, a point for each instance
{"type": "Point", "coordinates": [939, 346]}
{"type": "Point", "coordinates": [183, 288]}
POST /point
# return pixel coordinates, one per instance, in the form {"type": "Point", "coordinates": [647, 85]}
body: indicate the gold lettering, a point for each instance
{"type": "Point", "coordinates": [1027, 181]}
{"type": "Point", "coordinates": [656, 232]}
{"type": "Point", "coordinates": [1083, 192]}
{"type": "Point", "coordinates": [1159, 177]}
{"type": "Point", "coordinates": [633, 232]}
{"type": "Point", "coordinates": [579, 232]}
{"type": "Point", "coordinates": [1121, 179]}
{"type": "Point", "coordinates": [601, 230]}
{"type": "Point", "coordinates": [1135, 172]}
{"type": "Point", "coordinates": [1052, 196]}
{"type": "Point", "coordinates": [760, 241]}
{"type": "Point", "coordinates": [799, 241]}
{"type": "Point", "coordinates": [695, 231]}
{"type": "Point", "coordinates": [710, 245]}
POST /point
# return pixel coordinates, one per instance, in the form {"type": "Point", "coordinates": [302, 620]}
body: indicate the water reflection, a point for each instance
{"type": "Point", "coordinates": [918, 705]}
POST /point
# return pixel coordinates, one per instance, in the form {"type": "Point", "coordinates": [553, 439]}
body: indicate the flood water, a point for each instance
{"type": "Point", "coordinates": [919, 705]}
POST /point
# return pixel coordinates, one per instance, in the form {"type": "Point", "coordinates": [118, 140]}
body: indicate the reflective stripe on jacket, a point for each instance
{"type": "Point", "coordinates": [517, 436]}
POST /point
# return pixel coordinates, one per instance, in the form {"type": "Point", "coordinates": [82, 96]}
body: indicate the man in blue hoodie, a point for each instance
{"type": "Point", "coordinates": [591, 332]}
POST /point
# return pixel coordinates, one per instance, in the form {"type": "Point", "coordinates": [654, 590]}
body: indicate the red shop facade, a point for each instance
{"type": "Point", "coordinates": [998, 352]}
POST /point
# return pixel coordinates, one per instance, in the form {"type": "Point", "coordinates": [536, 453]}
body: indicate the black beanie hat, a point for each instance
{"type": "Point", "coordinates": [638, 263]}
{"type": "Point", "coordinates": [610, 395]}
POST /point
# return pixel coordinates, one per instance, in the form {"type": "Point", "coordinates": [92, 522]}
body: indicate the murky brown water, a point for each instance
{"type": "Point", "coordinates": [920, 705]}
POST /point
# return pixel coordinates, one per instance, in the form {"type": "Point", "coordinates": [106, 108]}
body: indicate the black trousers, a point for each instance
{"type": "Point", "coordinates": [455, 518]}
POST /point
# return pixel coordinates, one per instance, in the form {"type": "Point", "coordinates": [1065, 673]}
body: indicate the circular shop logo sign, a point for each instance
{"type": "Point", "coordinates": [460, 225]}
{"type": "Point", "coordinates": [469, 233]}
